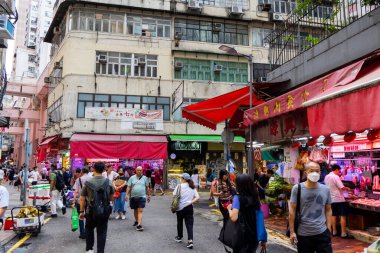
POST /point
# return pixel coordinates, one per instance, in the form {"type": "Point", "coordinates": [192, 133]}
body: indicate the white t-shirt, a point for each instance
{"type": "Point", "coordinates": [4, 198]}
{"type": "Point", "coordinates": [187, 195]}
{"type": "Point", "coordinates": [195, 178]}
{"type": "Point", "coordinates": [1, 174]}
{"type": "Point", "coordinates": [335, 184]}
{"type": "Point", "coordinates": [111, 177]}
{"type": "Point", "coordinates": [34, 175]}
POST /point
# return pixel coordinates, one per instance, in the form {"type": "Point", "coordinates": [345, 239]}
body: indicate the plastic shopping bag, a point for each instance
{"type": "Point", "coordinates": [74, 220]}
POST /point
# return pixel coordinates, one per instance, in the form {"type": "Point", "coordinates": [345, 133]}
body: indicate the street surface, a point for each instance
{"type": "Point", "coordinates": [160, 230]}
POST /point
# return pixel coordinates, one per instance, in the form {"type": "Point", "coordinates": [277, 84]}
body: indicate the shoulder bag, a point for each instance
{"type": "Point", "coordinates": [298, 215]}
{"type": "Point", "coordinates": [176, 198]}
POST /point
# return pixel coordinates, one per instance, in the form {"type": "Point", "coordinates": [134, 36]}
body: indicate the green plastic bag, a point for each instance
{"type": "Point", "coordinates": [74, 220]}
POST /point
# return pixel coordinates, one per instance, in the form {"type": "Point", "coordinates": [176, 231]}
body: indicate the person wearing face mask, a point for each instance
{"type": "Point", "coordinates": [312, 235]}
{"type": "Point", "coordinates": [120, 185]}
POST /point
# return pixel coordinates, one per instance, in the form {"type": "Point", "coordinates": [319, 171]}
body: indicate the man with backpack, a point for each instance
{"type": "Point", "coordinates": [95, 204]}
{"type": "Point", "coordinates": [56, 186]}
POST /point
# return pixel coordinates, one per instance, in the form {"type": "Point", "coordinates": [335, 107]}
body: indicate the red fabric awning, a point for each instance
{"type": "Point", "coordinates": [294, 99]}
{"type": "Point", "coordinates": [353, 107]}
{"type": "Point", "coordinates": [212, 111]}
{"type": "Point", "coordinates": [91, 146]}
{"type": "Point", "coordinates": [49, 140]}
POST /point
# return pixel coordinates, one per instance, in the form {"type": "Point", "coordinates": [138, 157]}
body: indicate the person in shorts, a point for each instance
{"type": "Point", "coordinates": [340, 208]}
{"type": "Point", "coordinates": [138, 188]}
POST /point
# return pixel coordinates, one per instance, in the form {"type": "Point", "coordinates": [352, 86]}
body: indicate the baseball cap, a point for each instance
{"type": "Point", "coordinates": [185, 176]}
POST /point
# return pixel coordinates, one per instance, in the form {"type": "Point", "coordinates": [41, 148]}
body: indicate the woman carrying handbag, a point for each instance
{"type": "Point", "coordinates": [245, 229]}
{"type": "Point", "coordinates": [187, 196]}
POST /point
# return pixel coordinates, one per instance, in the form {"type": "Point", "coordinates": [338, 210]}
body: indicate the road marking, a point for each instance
{"type": "Point", "coordinates": [217, 211]}
{"type": "Point", "coordinates": [212, 205]}
{"type": "Point", "coordinates": [24, 239]}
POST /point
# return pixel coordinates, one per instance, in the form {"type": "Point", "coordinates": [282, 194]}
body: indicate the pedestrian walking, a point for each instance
{"type": "Point", "coordinates": [77, 187]}
{"type": "Point", "coordinates": [120, 185]}
{"type": "Point", "coordinates": [340, 208]}
{"type": "Point", "coordinates": [312, 235]}
{"type": "Point", "coordinates": [263, 182]}
{"type": "Point", "coordinates": [188, 196]}
{"type": "Point", "coordinates": [209, 179]}
{"type": "Point", "coordinates": [225, 193]}
{"type": "Point", "coordinates": [4, 203]}
{"type": "Point", "coordinates": [138, 188]}
{"type": "Point", "coordinates": [97, 192]}
{"type": "Point", "coordinates": [56, 186]}
{"type": "Point", "coordinates": [35, 175]}
{"type": "Point", "coordinates": [195, 178]}
{"type": "Point", "coordinates": [158, 182]}
{"type": "Point", "coordinates": [110, 173]}
{"type": "Point", "coordinates": [245, 204]}
{"type": "Point", "coordinates": [67, 176]}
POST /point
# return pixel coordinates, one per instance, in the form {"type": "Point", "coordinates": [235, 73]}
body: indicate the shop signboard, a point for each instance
{"type": "Point", "coordinates": [187, 146]}
{"type": "Point", "coordinates": [351, 148]}
{"type": "Point", "coordinates": [129, 118]}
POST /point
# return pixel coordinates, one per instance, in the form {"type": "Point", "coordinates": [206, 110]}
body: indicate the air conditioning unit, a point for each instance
{"type": "Point", "coordinates": [264, 7]}
{"type": "Point", "coordinates": [218, 68]}
{"type": "Point", "coordinates": [57, 65]}
{"type": "Point", "coordinates": [279, 16]}
{"type": "Point", "coordinates": [57, 30]}
{"type": "Point", "coordinates": [178, 65]}
{"type": "Point", "coordinates": [217, 27]}
{"type": "Point", "coordinates": [236, 10]}
{"type": "Point", "coordinates": [102, 58]}
{"type": "Point", "coordinates": [142, 61]}
{"type": "Point", "coordinates": [194, 5]}
{"type": "Point", "coordinates": [48, 79]}
{"type": "Point", "coordinates": [262, 79]}
{"type": "Point", "coordinates": [178, 35]}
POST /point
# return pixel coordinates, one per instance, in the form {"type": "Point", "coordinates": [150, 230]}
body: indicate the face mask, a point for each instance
{"type": "Point", "coordinates": [314, 177]}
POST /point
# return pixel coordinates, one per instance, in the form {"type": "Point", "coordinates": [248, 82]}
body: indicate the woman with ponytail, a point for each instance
{"type": "Point", "coordinates": [188, 195]}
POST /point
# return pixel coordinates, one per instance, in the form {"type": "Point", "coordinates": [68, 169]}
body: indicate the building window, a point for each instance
{"type": "Point", "coordinates": [55, 112]}
{"type": "Point", "coordinates": [120, 23]}
{"type": "Point", "coordinates": [212, 32]}
{"type": "Point", "coordinates": [122, 64]}
{"type": "Point", "coordinates": [260, 70]}
{"type": "Point", "coordinates": [31, 58]}
{"type": "Point", "coordinates": [259, 35]}
{"type": "Point", "coordinates": [122, 101]}
{"type": "Point", "coordinates": [289, 7]}
{"type": "Point", "coordinates": [223, 3]}
{"type": "Point", "coordinates": [177, 115]}
{"type": "Point", "coordinates": [203, 70]}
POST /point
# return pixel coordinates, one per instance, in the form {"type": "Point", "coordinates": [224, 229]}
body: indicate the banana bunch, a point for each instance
{"type": "Point", "coordinates": [27, 212]}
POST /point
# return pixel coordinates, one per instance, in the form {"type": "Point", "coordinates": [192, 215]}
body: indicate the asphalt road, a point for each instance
{"type": "Point", "coordinates": [160, 230]}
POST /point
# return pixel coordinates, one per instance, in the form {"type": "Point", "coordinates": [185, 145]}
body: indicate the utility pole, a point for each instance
{"type": "Point", "coordinates": [25, 171]}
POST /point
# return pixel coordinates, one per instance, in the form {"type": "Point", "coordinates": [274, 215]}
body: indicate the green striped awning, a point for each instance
{"type": "Point", "coordinates": [204, 138]}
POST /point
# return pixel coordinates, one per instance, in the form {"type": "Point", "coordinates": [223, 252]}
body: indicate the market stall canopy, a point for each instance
{"type": "Point", "coordinates": [49, 140]}
{"type": "Point", "coordinates": [352, 107]}
{"type": "Point", "coordinates": [202, 138]}
{"type": "Point", "coordinates": [215, 110]}
{"type": "Point", "coordinates": [295, 99]}
{"type": "Point", "coordinates": [92, 146]}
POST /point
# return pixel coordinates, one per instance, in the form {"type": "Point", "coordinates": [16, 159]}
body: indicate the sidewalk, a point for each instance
{"type": "Point", "coordinates": [14, 200]}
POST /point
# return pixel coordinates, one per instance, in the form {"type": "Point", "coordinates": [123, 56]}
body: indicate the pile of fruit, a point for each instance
{"type": "Point", "coordinates": [28, 212]}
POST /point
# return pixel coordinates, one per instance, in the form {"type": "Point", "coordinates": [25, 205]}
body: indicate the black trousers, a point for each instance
{"type": "Point", "coordinates": [101, 234]}
{"type": "Point", "coordinates": [315, 244]}
{"type": "Point", "coordinates": [224, 211]}
{"type": "Point", "coordinates": [186, 214]}
{"type": "Point", "coordinates": [251, 248]}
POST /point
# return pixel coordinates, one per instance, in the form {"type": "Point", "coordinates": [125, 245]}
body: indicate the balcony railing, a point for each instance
{"type": "Point", "coordinates": [308, 24]}
{"type": "Point", "coordinates": [7, 29]}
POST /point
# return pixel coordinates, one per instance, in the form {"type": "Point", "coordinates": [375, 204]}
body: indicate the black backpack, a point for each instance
{"type": "Point", "coordinates": [59, 182]}
{"type": "Point", "coordinates": [99, 206]}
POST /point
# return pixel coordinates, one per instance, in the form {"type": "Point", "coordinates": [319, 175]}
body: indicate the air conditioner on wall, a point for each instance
{"type": "Point", "coordinates": [141, 61]}
{"type": "Point", "coordinates": [279, 16]}
{"type": "Point", "coordinates": [194, 5]}
{"type": "Point", "coordinates": [218, 68]}
{"type": "Point", "coordinates": [236, 10]}
{"type": "Point", "coordinates": [178, 35]}
{"type": "Point", "coordinates": [102, 58]}
{"type": "Point", "coordinates": [217, 27]}
{"type": "Point", "coordinates": [48, 79]}
{"type": "Point", "coordinates": [178, 65]}
{"type": "Point", "coordinates": [57, 65]}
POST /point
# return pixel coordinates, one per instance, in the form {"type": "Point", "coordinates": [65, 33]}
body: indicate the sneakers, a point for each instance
{"type": "Point", "coordinates": [123, 217]}
{"type": "Point", "coordinates": [64, 210]}
{"type": "Point", "coordinates": [90, 251]}
{"type": "Point", "coordinates": [54, 216]}
{"type": "Point", "coordinates": [139, 228]}
{"type": "Point", "coordinates": [82, 237]}
{"type": "Point", "coordinates": [135, 224]}
{"type": "Point", "coordinates": [178, 239]}
{"type": "Point", "coordinates": [190, 245]}
{"type": "Point", "coordinates": [118, 217]}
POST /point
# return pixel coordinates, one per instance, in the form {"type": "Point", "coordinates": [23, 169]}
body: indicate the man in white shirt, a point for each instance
{"type": "Point", "coordinates": [338, 203]}
{"type": "Point", "coordinates": [110, 173]}
{"type": "Point", "coordinates": [4, 203]}
{"type": "Point", "coordinates": [35, 175]}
